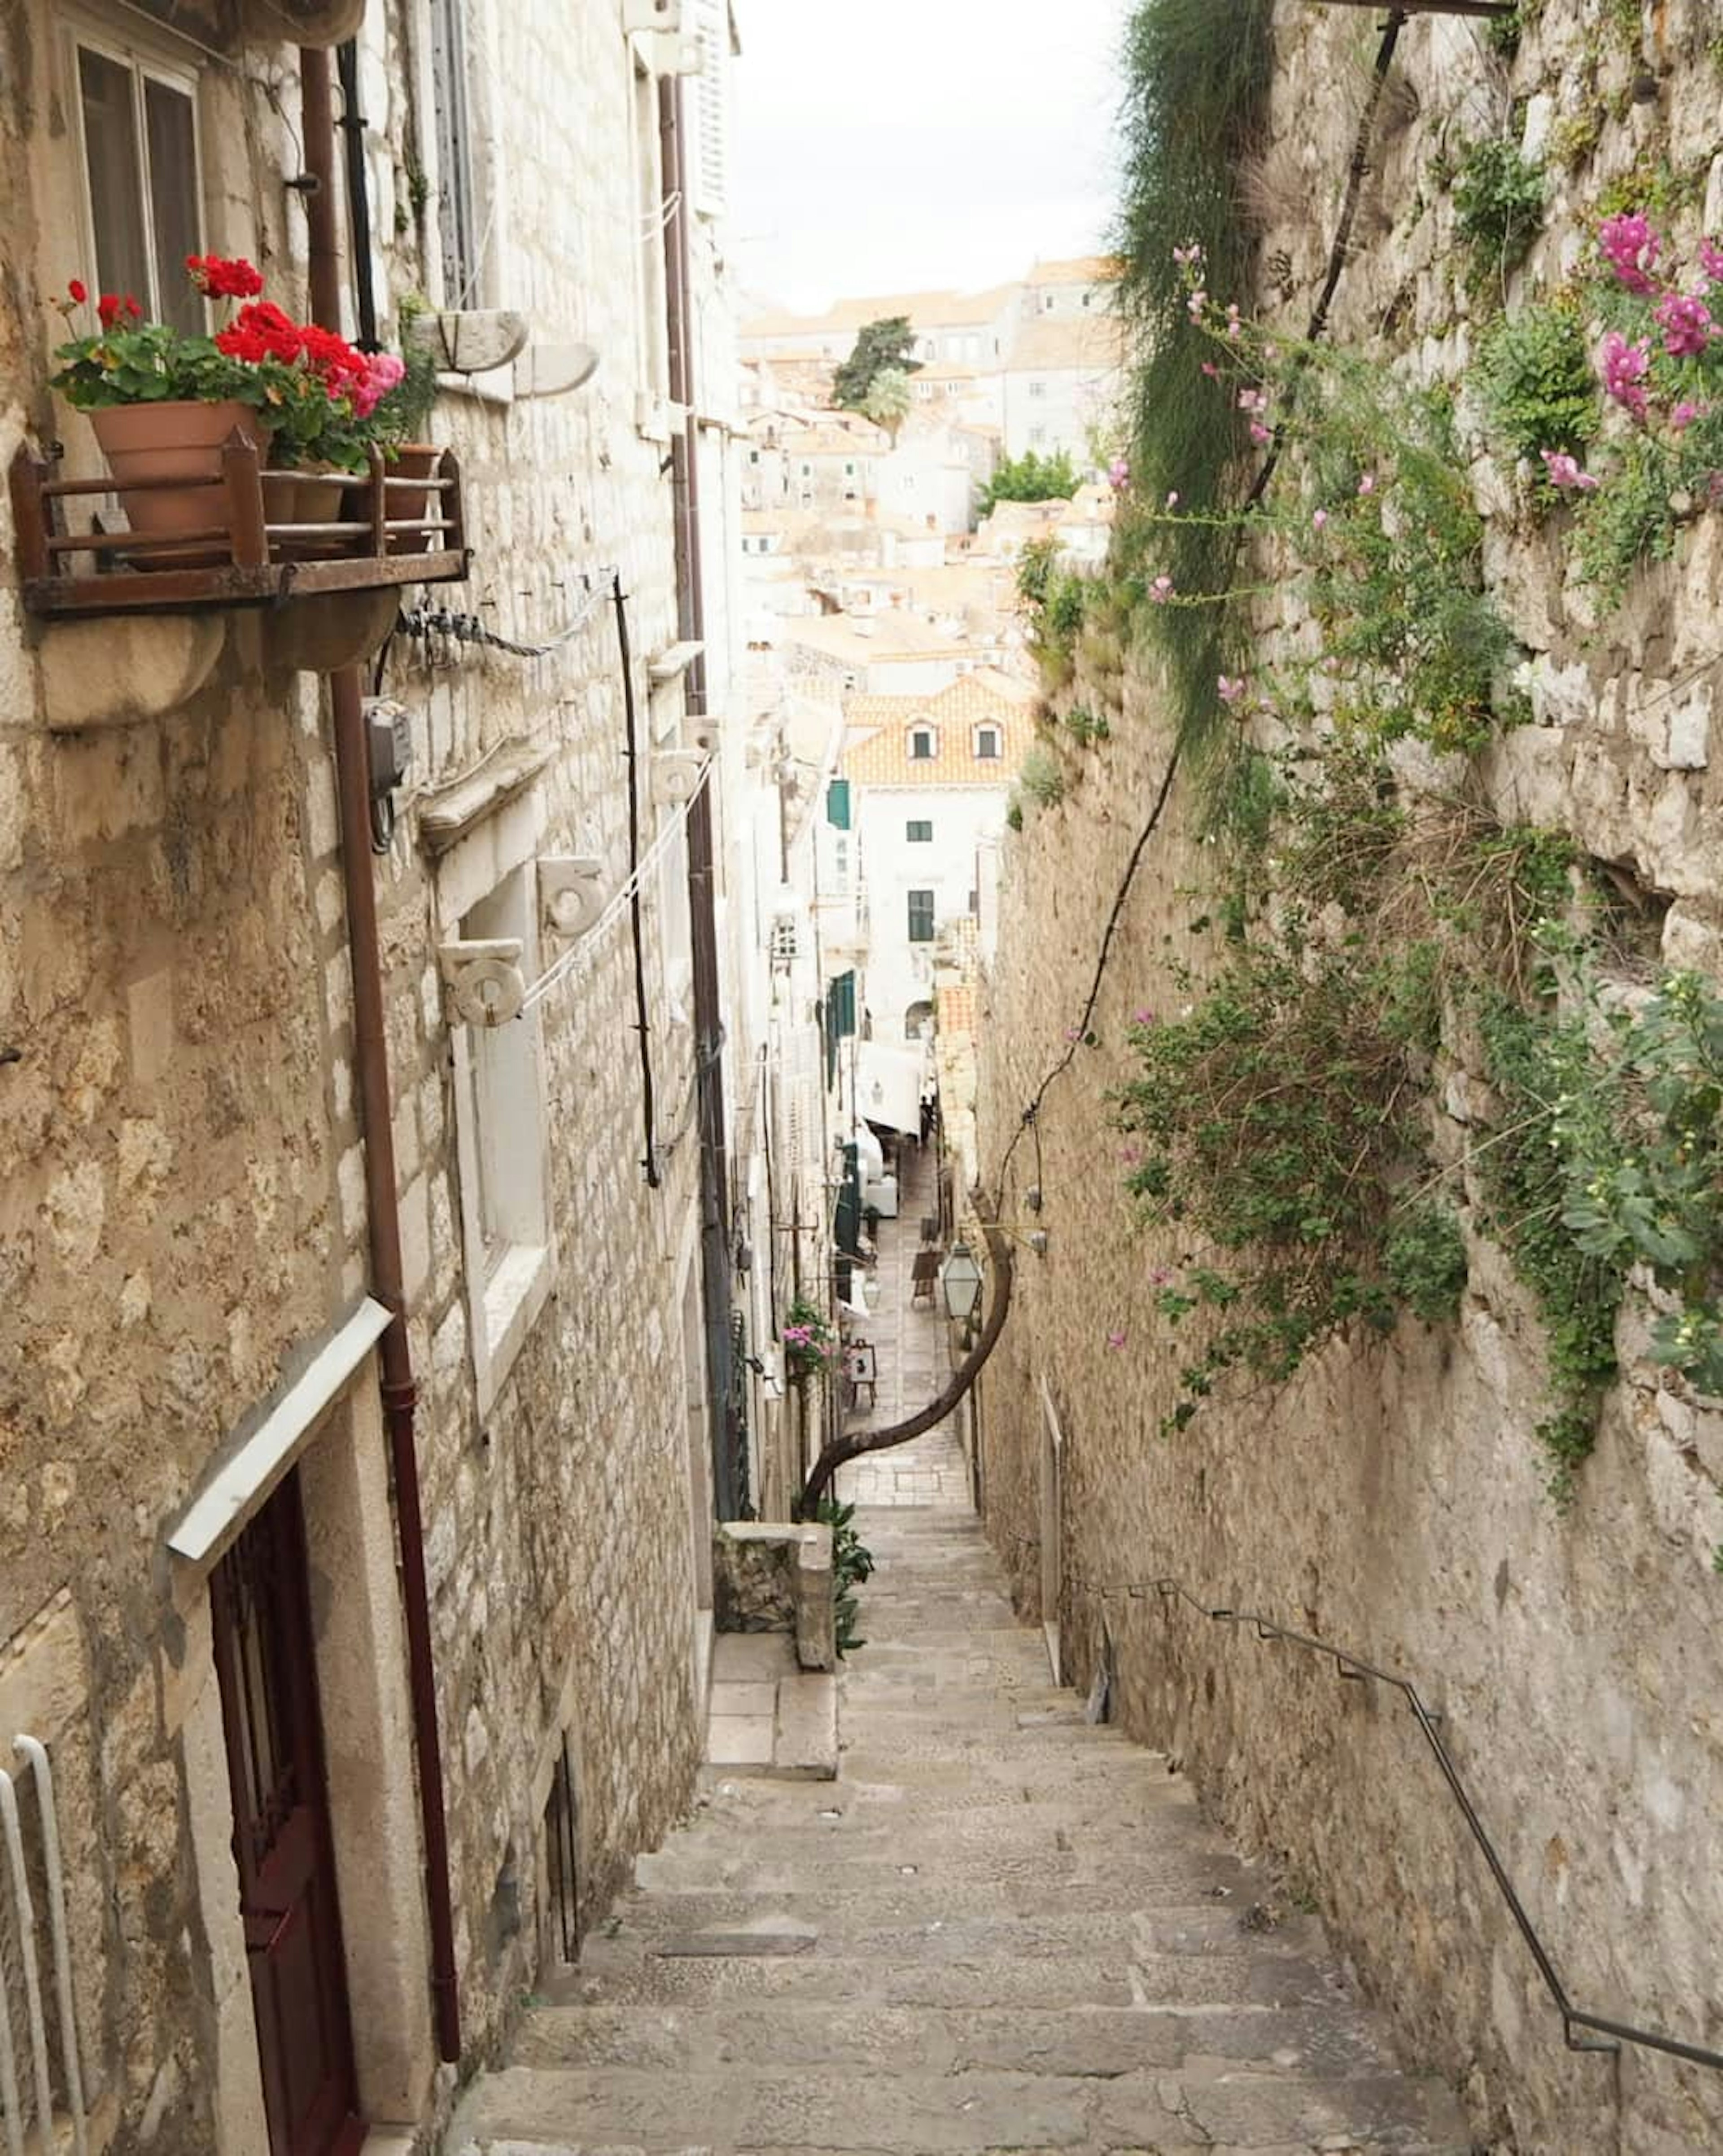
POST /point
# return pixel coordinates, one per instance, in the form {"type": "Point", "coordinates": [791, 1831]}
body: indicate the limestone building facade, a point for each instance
{"type": "Point", "coordinates": [430, 1655]}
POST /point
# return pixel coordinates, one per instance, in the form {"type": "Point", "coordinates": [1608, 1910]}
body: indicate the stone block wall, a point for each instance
{"type": "Point", "coordinates": [1392, 1497]}
{"type": "Point", "coordinates": [182, 1171]}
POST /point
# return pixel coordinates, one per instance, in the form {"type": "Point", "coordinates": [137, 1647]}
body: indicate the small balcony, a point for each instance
{"type": "Point", "coordinates": [385, 531]}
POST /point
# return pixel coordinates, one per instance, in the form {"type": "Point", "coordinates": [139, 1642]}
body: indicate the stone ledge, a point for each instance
{"type": "Point", "coordinates": [772, 1576]}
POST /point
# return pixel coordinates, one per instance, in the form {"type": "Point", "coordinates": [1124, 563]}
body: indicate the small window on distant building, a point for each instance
{"type": "Point", "coordinates": [138, 123]}
{"type": "Point", "coordinates": [1087, 297]}
{"type": "Point", "coordinates": [1047, 303]}
{"type": "Point", "coordinates": [1038, 435]}
{"type": "Point", "coordinates": [924, 745]}
{"type": "Point", "coordinates": [1037, 389]}
{"type": "Point", "coordinates": [987, 744]}
{"type": "Point", "coordinates": [920, 916]}
{"type": "Point", "coordinates": [849, 471]}
{"type": "Point", "coordinates": [919, 834]}
{"type": "Point", "coordinates": [753, 456]}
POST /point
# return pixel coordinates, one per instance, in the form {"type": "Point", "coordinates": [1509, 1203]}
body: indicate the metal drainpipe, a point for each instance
{"type": "Point", "coordinates": [371, 1056]}
{"type": "Point", "coordinates": [708, 1012]}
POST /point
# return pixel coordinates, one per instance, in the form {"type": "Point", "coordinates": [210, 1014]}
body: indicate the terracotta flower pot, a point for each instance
{"type": "Point", "coordinates": [173, 440]}
{"type": "Point", "coordinates": [414, 460]}
{"type": "Point", "coordinates": [306, 497]}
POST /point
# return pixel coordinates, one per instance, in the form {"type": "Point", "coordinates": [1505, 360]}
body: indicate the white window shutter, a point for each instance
{"type": "Point", "coordinates": [711, 162]}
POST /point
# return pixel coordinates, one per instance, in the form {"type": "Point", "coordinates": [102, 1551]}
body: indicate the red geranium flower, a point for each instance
{"type": "Point", "coordinates": [220, 278]}
{"type": "Point", "coordinates": [261, 331]}
{"type": "Point", "coordinates": [333, 358]}
{"type": "Point", "coordinates": [79, 289]}
{"type": "Point", "coordinates": [107, 309]}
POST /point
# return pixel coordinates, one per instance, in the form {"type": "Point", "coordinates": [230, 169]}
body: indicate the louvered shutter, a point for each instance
{"type": "Point", "coordinates": [711, 163]}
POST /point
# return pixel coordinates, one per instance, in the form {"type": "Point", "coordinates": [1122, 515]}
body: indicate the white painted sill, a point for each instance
{"type": "Point", "coordinates": [514, 1294]}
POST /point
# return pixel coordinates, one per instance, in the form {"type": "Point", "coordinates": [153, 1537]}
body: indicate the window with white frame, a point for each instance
{"type": "Point", "coordinates": [499, 1132]}
{"type": "Point", "coordinates": [924, 744]}
{"type": "Point", "coordinates": [463, 192]}
{"type": "Point", "coordinates": [918, 832]}
{"type": "Point", "coordinates": [1037, 435]}
{"type": "Point", "coordinates": [987, 744]}
{"type": "Point", "coordinates": [137, 139]}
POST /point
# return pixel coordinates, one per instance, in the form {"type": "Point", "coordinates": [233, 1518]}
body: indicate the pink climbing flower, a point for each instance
{"type": "Point", "coordinates": [1711, 260]}
{"type": "Point", "coordinates": [1196, 302]}
{"type": "Point", "coordinates": [1143, 1018]}
{"type": "Point", "coordinates": [1211, 370]}
{"type": "Point", "coordinates": [1161, 590]}
{"type": "Point", "coordinates": [1685, 323]}
{"type": "Point", "coordinates": [1130, 1155]}
{"type": "Point", "coordinates": [1252, 400]}
{"type": "Point", "coordinates": [1367, 484]}
{"type": "Point", "coordinates": [1260, 433]}
{"type": "Point", "coordinates": [1187, 257]}
{"type": "Point", "coordinates": [1115, 1340]}
{"type": "Point", "coordinates": [1172, 499]}
{"type": "Point", "coordinates": [1631, 249]}
{"type": "Point", "coordinates": [1159, 1277]}
{"type": "Point", "coordinates": [1230, 688]}
{"type": "Point", "coordinates": [1684, 415]}
{"type": "Point", "coordinates": [1119, 473]}
{"type": "Point", "coordinates": [1624, 367]}
{"type": "Point", "coordinates": [1234, 326]}
{"type": "Point", "coordinates": [1320, 519]}
{"type": "Point", "coordinates": [1564, 471]}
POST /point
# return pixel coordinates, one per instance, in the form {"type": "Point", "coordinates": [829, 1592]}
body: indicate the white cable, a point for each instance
{"type": "Point", "coordinates": [575, 958]}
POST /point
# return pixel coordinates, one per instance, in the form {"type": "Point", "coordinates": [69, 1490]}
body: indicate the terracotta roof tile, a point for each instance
{"type": "Point", "coordinates": [877, 751]}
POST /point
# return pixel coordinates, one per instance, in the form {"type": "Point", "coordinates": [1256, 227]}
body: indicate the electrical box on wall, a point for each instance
{"type": "Point", "coordinates": [388, 728]}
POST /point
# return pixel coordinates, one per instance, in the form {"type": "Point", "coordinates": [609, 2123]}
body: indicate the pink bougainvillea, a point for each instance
{"type": "Point", "coordinates": [1685, 323]}
{"type": "Point", "coordinates": [1624, 368]}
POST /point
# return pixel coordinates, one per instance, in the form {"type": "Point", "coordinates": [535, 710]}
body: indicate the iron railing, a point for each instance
{"type": "Point", "coordinates": [1582, 2030]}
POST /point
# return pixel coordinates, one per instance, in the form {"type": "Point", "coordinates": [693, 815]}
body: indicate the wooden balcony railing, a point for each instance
{"type": "Point", "coordinates": [409, 530]}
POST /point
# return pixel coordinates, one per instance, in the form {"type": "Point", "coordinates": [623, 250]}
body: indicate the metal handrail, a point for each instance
{"type": "Point", "coordinates": [1581, 2031]}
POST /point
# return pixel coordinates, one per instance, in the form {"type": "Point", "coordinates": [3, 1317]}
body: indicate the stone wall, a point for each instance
{"type": "Point", "coordinates": [182, 1187]}
{"type": "Point", "coordinates": [1392, 1498]}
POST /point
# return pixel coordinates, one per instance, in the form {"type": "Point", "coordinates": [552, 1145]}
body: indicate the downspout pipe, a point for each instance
{"type": "Point", "coordinates": [372, 1062]}
{"type": "Point", "coordinates": [727, 1493]}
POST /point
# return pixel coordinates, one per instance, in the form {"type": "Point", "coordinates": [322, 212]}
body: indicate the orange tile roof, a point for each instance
{"type": "Point", "coordinates": [1078, 270]}
{"type": "Point", "coordinates": [877, 752]}
{"type": "Point", "coordinates": [926, 310]}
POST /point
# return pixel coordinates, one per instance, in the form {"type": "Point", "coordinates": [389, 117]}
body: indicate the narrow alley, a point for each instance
{"type": "Point", "coordinates": [1000, 1928]}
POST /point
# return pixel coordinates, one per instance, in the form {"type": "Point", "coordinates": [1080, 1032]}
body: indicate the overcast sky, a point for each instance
{"type": "Point", "coordinates": [893, 144]}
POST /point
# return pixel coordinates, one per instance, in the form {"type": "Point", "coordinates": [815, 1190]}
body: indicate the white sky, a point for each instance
{"type": "Point", "coordinates": [887, 145]}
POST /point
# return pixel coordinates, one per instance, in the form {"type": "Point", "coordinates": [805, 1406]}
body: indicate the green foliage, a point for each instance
{"type": "Point", "coordinates": [1539, 387]}
{"type": "Point", "coordinates": [852, 1564]}
{"type": "Point", "coordinates": [886, 344]}
{"type": "Point", "coordinates": [1194, 105]}
{"type": "Point", "coordinates": [887, 399]}
{"type": "Point", "coordinates": [1535, 1062]}
{"type": "Point", "coordinates": [1499, 206]}
{"type": "Point", "coordinates": [1041, 778]}
{"type": "Point", "coordinates": [1424, 1262]}
{"type": "Point", "coordinates": [1054, 602]}
{"type": "Point", "coordinates": [1276, 1118]}
{"type": "Point", "coordinates": [403, 414]}
{"type": "Point", "coordinates": [1085, 726]}
{"type": "Point", "coordinates": [1014, 813]}
{"type": "Point", "coordinates": [1031, 477]}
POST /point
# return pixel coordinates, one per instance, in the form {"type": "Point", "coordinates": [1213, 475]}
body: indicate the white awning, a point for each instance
{"type": "Point", "coordinates": [887, 1086]}
{"type": "Point", "coordinates": [258, 1461]}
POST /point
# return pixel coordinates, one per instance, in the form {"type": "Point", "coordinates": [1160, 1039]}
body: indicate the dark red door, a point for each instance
{"type": "Point", "coordinates": [263, 1659]}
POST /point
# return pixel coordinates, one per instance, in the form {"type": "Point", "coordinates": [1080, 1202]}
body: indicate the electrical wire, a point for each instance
{"type": "Point", "coordinates": [422, 623]}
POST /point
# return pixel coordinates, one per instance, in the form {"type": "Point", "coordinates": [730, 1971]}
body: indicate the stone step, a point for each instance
{"type": "Point", "coordinates": [925, 2114]}
{"type": "Point", "coordinates": [927, 1896]}
{"type": "Point", "coordinates": [1333, 2040]}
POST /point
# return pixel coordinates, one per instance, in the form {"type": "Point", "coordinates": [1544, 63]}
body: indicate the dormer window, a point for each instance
{"type": "Point", "coordinates": [924, 745]}
{"type": "Point", "coordinates": [986, 745]}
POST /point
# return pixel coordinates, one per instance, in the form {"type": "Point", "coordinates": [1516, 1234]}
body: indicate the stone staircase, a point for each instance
{"type": "Point", "coordinates": [1001, 1928]}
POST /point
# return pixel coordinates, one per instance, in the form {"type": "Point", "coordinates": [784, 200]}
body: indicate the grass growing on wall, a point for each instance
{"type": "Point", "coordinates": [1195, 97]}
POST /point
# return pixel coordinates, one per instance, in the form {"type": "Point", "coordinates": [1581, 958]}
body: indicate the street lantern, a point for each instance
{"type": "Point", "coordinates": [960, 1283]}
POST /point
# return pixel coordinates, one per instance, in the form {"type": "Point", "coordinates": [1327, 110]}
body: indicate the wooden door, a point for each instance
{"type": "Point", "coordinates": [264, 1662]}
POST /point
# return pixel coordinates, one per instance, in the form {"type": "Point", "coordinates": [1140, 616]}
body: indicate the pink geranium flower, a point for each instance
{"type": "Point", "coordinates": [1564, 471]}
{"type": "Point", "coordinates": [1685, 323]}
{"type": "Point", "coordinates": [1631, 249]}
{"type": "Point", "coordinates": [1624, 367]}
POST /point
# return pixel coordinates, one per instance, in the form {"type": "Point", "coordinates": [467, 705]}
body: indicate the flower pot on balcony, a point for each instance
{"type": "Point", "coordinates": [414, 460]}
{"type": "Point", "coordinates": [311, 496]}
{"type": "Point", "coordinates": [178, 440]}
